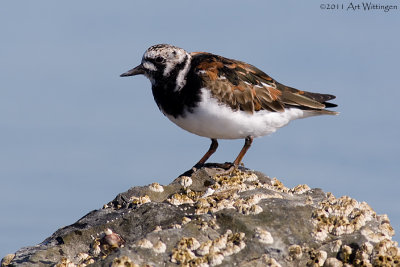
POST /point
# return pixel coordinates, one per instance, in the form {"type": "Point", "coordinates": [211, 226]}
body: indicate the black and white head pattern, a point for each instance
{"type": "Point", "coordinates": [165, 61]}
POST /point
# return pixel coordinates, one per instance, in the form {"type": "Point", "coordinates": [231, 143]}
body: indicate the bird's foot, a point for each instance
{"type": "Point", "coordinates": [228, 167]}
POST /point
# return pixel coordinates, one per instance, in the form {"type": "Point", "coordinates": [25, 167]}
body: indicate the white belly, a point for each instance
{"type": "Point", "coordinates": [214, 120]}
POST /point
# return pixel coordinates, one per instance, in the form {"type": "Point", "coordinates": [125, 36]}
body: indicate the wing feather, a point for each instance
{"type": "Point", "coordinates": [245, 87]}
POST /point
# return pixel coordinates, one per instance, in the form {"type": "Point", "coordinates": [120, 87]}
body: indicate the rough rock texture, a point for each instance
{"type": "Point", "coordinates": [211, 217]}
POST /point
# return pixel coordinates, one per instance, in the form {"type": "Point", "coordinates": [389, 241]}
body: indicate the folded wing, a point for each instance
{"type": "Point", "coordinates": [245, 87]}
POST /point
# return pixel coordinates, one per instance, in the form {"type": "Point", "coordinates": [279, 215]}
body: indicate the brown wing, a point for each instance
{"type": "Point", "coordinates": [245, 87]}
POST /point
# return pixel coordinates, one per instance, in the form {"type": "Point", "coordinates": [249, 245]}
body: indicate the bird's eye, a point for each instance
{"type": "Point", "coordinates": [159, 59]}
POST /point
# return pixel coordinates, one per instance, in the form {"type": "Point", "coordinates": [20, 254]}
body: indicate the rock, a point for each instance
{"type": "Point", "coordinates": [213, 217]}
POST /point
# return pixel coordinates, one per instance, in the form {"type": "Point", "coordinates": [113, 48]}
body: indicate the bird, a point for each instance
{"type": "Point", "coordinates": [220, 98]}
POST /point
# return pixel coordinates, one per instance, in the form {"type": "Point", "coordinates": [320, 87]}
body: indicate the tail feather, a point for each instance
{"type": "Point", "coordinates": [317, 97]}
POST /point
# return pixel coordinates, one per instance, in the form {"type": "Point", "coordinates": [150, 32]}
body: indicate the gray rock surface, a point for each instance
{"type": "Point", "coordinates": [214, 217]}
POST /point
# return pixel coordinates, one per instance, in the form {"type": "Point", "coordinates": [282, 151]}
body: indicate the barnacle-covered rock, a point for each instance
{"type": "Point", "coordinates": [145, 243]}
{"type": "Point", "coordinates": [333, 262]}
{"type": "Point", "coordinates": [295, 252]}
{"type": "Point", "coordinates": [138, 201]}
{"type": "Point", "coordinates": [264, 236]}
{"type": "Point", "coordinates": [340, 216]}
{"type": "Point", "coordinates": [185, 181]}
{"type": "Point", "coordinates": [156, 187]}
{"type": "Point", "coordinates": [211, 217]}
{"type": "Point", "coordinates": [123, 261]}
{"type": "Point", "coordinates": [317, 258]}
{"type": "Point", "coordinates": [159, 247]}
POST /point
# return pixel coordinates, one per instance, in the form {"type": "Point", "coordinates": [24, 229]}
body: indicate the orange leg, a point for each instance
{"type": "Point", "coordinates": [247, 144]}
{"type": "Point", "coordinates": [211, 150]}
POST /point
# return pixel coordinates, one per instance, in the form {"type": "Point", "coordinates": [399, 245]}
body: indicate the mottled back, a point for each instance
{"type": "Point", "coordinates": [245, 87]}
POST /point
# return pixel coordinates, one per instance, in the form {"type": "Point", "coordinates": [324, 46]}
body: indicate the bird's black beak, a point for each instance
{"type": "Point", "coordinates": [135, 71]}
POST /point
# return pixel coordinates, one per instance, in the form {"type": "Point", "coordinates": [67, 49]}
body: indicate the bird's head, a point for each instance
{"type": "Point", "coordinates": [162, 62]}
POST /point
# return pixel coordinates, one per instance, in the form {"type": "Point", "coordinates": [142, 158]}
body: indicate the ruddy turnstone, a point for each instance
{"type": "Point", "coordinates": [221, 98]}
